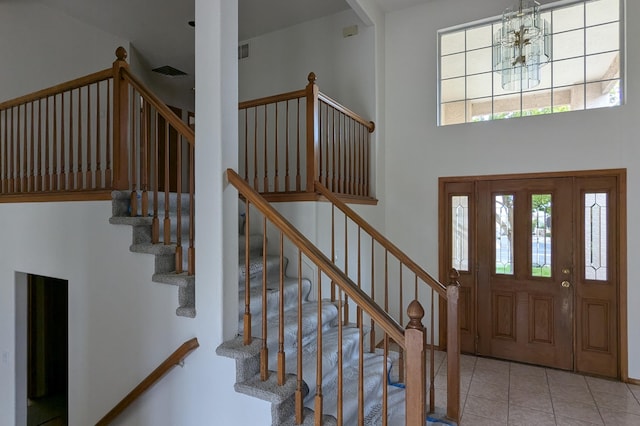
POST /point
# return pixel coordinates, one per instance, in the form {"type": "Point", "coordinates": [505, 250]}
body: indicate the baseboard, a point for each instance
{"type": "Point", "coordinates": [633, 381]}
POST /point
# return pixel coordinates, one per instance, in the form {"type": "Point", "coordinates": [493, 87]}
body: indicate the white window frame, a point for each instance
{"type": "Point", "coordinates": [497, 19]}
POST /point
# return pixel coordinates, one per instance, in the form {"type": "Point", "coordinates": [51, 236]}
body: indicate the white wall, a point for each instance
{"type": "Point", "coordinates": [122, 325]}
{"type": "Point", "coordinates": [418, 152]}
{"type": "Point", "coordinates": [41, 47]}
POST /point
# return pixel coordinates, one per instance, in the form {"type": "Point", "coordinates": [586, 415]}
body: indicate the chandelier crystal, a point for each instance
{"type": "Point", "coordinates": [522, 46]}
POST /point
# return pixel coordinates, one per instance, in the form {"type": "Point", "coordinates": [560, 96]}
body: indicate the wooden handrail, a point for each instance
{"type": "Point", "coordinates": [383, 241]}
{"type": "Point", "coordinates": [60, 88]}
{"type": "Point", "coordinates": [272, 99]}
{"type": "Point", "coordinates": [174, 359]}
{"type": "Point", "coordinates": [388, 324]}
{"type": "Point", "coordinates": [370, 125]}
{"type": "Point", "coordinates": [175, 121]}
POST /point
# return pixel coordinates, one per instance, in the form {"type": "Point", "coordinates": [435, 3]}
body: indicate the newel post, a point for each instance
{"type": "Point", "coordinates": [453, 347]}
{"type": "Point", "coordinates": [120, 122]}
{"type": "Point", "coordinates": [313, 132]}
{"type": "Point", "coordinates": [415, 337]}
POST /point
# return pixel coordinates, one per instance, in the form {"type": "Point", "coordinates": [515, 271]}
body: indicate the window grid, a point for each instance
{"type": "Point", "coordinates": [552, 88]}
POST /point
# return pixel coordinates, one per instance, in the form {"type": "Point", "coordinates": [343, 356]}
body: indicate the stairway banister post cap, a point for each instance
{"type": "Point", "coordinates": [311, 78]}
{"type": "Point", "coordinates": [121, 53]}
{"type": "Point", "coordinates": [453, 277]}
{"type": "Point", "coordinates": [415, 311]}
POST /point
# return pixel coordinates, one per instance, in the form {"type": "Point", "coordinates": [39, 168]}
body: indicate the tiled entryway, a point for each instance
{"type": "Point", "coordinates": [497, 393]}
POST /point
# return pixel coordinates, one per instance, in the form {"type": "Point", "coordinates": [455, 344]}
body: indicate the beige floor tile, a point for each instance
{"type": "Point", "coordinates": [497, 391]}
{"type": "Point", "coordinates": [519, 370]}
{"type": "Point", "coordinates": [522, 416]}
{"type": "Point", "coordinates": [572, 393]}
{"type": "Point", "coordinates": [635, 389]}
{"type": "Point", "coordinates": [488, 364]}
{"type": "Point", "coordinates": [472, 420]}
{"type": "Point", "coordinates": [576, 410]}
{"type": "Point", "coordinates": [565, 378]}
{"type": "Point", "coordinates": [532, 400]}
{"type": "Point", "coordinates": [625, 403]}
{"type": "Point", "coordinates": [487, 408]}
{"type": "Point", "coordinates": [565, 421]}
{"type": "Point", "coordinates": [616, 418]}
{"type": "Point", "coordinates": [608, 386]}
{"type": "Point", "coordinates": [533, 383]}
{"type": "Point", "coordinates": [492, 377]}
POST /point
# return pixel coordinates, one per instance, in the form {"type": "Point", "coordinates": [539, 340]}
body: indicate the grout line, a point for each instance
{"type": "Point", "coordinates": [594, 399]}
{"type": "Point", "coordinates": [546, 376]}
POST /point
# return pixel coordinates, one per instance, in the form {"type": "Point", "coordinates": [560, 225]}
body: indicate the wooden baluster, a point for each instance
{"type": "Point", "coordinates": [401, 369]}
{"type": "Point", "coordinates": [287, 177]}
{"type": "Point", "coordinates": [385, 378]}
{"type": "Point", "coordinates": [191, 254]}
{"type": "Point", "coordinates": [340, 396]}
{"type": "Point", "coordinates": [255, 148]}
{"type": "Point", "coordinates": [32, 165]}
{"type": "Point", "coordinates": [300, 383]}
{"type": "Point", "coordinates": [359, 261]}
{"type": "Point", "coordinates": [144, 160]}
{"type": "Point", "coordinates": [98, 171]}
{"type": "Point", "coordinates": [264, 351]}
{"type": "Point", "coordinates": [318, 403]}
{"type": "Point", "coordinates": [39, 183]}
{"type": "Point", "coordinates": [415, 341]}
{"type": "Point", "coordinates": [360, 365]}
{"type": "Point", "coordinates": [18, 181]}
{"type": "Point", "coordinates": [341, 154]}
{"type": "Point", "coordinates": [333, 150]}
{"type": "Point", "coordinates": [298, 175]}
{"type": "Point", "coordinates": [386, 280]}
{"type": "Point", "coordinates": [54, 183]}
{"type": "Point", "coordinates": [265, 159]}
{"type": "Point", "coordinates": [276, 178]}
{"type": "Point", "coordinates": [320, 176]}
{"type": "Point", "coordinates": [367, 148]}
{"type": "Point", "coordinates": [326, 175]}
{"type": "Point", "coordinates": [361, 158]}
{"type": "Point", "coordinates": [155, 222]}
{"type": "Point", "coordinates": [372, 333]}
{"type": "Point", "coordinates": [432, 362]}
{"type": "Point", "coordinates": [313, 132]}
{"type": "Point", "coordinates": [453, 347]}
{"type": "Point", "coordinates": [47, 169]}
{"type": "Point", "coordinates": [78, 172]}
{"type": "Point", "coordinates": [3, 150]}
{"type": "Point", "coordinates": [333, 249]}
{"type": "Point", "coordinates": [120, 120]}
{"type": "Point", "coordinates": [179, 205]}
{"type": "Point", "coordinates": [133, 137]}
{"type": "Point", "coordinates": [88, 181]}
{"type": "Point", "coordinates": [281, 354]}
{"type": "Point", "coordinates": [246, 145]}
{"type": "Point", "coordinates": [247, 332]}
{"type": "Point", "coordinates": [346, 268]}
{"type": "Point", "coordinates": [25, 147]}
{"type": "Point", "coordinates": [64, 178]}
{"type": "Point", "coordinates": [167, 199]}
{"type": "Point", "coordinates": [352, 156]}
{"type": "Point", "coordinates": [347, 155]}
{"type": "Point", "coordinates": [107, 170]}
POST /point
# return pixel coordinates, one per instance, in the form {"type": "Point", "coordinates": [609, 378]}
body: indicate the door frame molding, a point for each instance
{"type": "Point", "coordinates": [444, 260]}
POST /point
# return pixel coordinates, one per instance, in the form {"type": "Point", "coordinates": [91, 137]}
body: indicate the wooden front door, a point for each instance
{"type": "Point", "coordinates": [539, 266]}
{"type": "Point", "coordinates": [525, 235]}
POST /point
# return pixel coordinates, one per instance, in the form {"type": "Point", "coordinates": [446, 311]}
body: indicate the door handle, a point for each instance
{"type": "Point", "coordinates": [566, 284]}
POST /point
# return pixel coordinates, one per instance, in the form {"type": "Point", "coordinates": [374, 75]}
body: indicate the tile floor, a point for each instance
{"type": "Point", "coordinates": [496, 393]}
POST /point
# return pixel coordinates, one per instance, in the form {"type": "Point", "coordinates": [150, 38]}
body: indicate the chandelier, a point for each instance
{"type": "Point", "coordinates": [522, 46]}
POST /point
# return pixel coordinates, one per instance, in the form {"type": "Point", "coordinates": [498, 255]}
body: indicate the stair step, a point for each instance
{"type": "Point", "coordinates": [257, 266]}
{"type": "Point", "coordinates": [273, 297]}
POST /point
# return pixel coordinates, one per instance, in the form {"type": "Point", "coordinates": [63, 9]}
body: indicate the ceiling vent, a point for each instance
{"type": "Point", "coordinates": [243, 51]}
{"type": "Point", "coordinates": [169, 71]}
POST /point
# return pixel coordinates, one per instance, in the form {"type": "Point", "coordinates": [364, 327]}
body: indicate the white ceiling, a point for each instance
{"type": "Point", "coordinates": [159, 30]}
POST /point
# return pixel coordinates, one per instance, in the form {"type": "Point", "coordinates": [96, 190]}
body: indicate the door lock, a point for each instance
{"type": "Point", "coordinates": [566, 284]}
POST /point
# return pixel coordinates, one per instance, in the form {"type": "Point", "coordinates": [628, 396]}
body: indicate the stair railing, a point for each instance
{"type": "Point", "coordinates": [161, 159]}
{"type": "Point", "coordinates": [412, 340]}
{"type": "Point", "coordinates": [289, 141]}
{"type": "Point", "coordinates": [55, 144]}
{"type": "Point", "coordinates": [173, 360]}
{"type": "Point", "coordinates": [80, 140]}
{"type": "Point", "coordinates": [409, 274]}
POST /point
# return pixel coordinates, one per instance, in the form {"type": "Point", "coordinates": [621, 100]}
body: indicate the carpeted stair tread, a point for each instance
{"type": "Point", "coordinates": [273, 296]}
{"type": "Point", "coordinates": [257, 266]}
